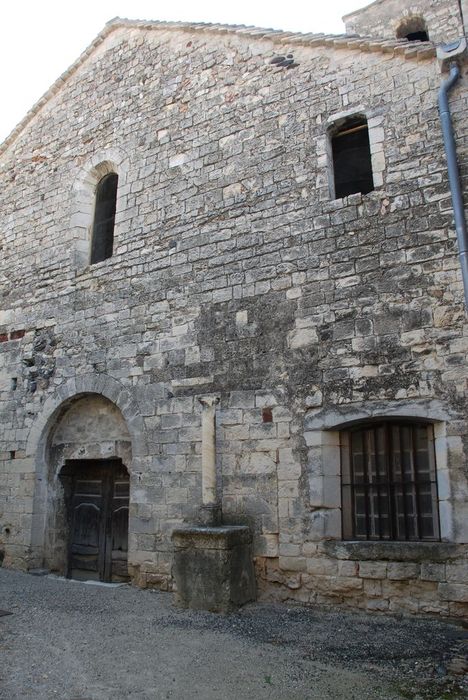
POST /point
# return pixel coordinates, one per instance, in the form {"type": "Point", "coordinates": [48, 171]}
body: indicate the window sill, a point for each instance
{"type": "Point", "coordinates": [392, 551]}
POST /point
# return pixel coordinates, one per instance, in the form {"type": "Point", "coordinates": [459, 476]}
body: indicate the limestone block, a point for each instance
{"type": "Point", "coordinates": [324, 524]}
{"type": "Point", "coordinates": [345, 584]}
{"type": "Point", "coordinates": [372, 569]}
{"type": "Point", "coordinates": [292, 563]}
{"type": "Point", "coordinates": [373, 587]}
{"type": "Point", "coordinates": [259, 463]}
{"type": "Point", "coordinates": [456, 592]}
{"type": "Point", "coordinates": [447, 525]}
{"type": "Point", "coordinates": [443, 484]}
{"type": "Point", "coordinates": [266, 545]}
{"type": "Point", "coordinates": [325, 491]}
{"type": "Point", "coordinates": [177, 160]}
{"type": "Point", "coordinates": [348, 568]}
{"type": "Point", "coordinates": [288, 489]}
{"type": "Point", "coordinates": [288, 469]}
{"type": "Point", "coordinates": [287, 549]}
{"type": "Point", "coordinates": [322, 567]}
{"type": "Point", "coordinates": [457, 573]}
{"type": "Point", "coordinates": [403, 571]}
{"type": "Point", "coordinates": [432, 572]}
{"type": "Point", "coordinates": [302, 337]}
{"type": "Point", "coordinates": [232, 190]}
{"type": "Point", "coordinates": [406, 605]}
{"type": "Point", "coordinates": [314, 399]}
{"type": "Point", "coordinates": [309, 549]}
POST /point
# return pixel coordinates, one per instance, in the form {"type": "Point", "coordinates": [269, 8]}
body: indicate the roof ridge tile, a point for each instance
{"type": "Point", "coordinates": [398, 47]}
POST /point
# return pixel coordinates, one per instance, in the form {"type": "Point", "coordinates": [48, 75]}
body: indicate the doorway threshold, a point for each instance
{"type": "Point", "coordinates": [89, 582]}
{"type": "Point", "coordinates": [105, 584]}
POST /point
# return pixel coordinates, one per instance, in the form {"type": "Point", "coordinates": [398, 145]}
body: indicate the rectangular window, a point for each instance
{"type": "Point", "coordinates": [352, 165]}
{"type": "Point", "coordinates": [389, 487]}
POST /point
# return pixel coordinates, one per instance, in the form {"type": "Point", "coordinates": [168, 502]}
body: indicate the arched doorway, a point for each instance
{"type": "Point", "coordinates": [88, 494]}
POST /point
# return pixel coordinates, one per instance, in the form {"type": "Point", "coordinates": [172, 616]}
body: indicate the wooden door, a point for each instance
{"type": "Point", "coordinates": [98, 517]}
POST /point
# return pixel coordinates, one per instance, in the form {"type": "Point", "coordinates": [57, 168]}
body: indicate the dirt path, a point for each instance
{"type": "Point", "coordinates": [76, 641]}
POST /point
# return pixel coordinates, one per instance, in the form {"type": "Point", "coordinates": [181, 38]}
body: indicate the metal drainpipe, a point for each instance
{"type": "Point", "coordinates": [453, 174]}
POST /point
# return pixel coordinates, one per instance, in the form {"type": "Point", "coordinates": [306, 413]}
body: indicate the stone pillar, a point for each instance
{"type": "Point", "coordinates": [213, 565]}
{"type": "Point", "coordinates": [210, 511]}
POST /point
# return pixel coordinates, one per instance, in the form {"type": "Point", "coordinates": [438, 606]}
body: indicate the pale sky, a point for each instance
{"type": "Point", "coordinates": [39, 39]}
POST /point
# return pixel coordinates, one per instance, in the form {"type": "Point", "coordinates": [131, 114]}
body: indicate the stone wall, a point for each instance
{"type": "Point", "coordinates": [236, 273]}
{"type": "Point", "coordinates": [383, 18]}
{"type": "Point", "coordinates": [385, 577]}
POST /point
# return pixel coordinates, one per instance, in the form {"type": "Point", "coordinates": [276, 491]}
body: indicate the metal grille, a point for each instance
{"type": "Point", "coordinates": [389, 483]}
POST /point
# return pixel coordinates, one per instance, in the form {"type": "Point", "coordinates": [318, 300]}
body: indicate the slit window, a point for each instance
{"type": "Point", "coordinates": [352, 164]}
{"type": "Point", "coordinates": [389, 486]}
{"type": "Point", "coordinates": [102, 240]}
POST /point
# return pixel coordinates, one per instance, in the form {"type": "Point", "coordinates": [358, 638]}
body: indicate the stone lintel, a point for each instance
{"type": "Point", "coordinates": [201, 537]}
{"type": "Point", "coordinates": [392, 551]}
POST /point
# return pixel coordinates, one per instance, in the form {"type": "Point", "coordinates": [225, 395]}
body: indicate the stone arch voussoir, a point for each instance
{"type": "Point", "coordinates": [37, 445]}
{"type": "Point", "coordinates": [103, 385]}
{"type": "Point", "coordinates": [110, 160]}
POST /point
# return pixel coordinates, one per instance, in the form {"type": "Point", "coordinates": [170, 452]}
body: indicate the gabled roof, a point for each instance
{"type": "Point", "coordinates": [416, 50]}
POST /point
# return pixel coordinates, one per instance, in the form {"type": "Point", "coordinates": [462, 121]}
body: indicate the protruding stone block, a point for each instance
{"type": "Point", "coordinates": [213, 567]}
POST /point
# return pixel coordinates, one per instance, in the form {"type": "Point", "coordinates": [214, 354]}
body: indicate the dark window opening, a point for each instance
{"type": "Point", "coordinates": [14, 383]}
{"type": "Point", "coordinates": [417, 36]}
{"type": "Point", "coordinates": [413, 29]}
{"type": "Point", "coordinates": [352, 165]}
{"type": "Point", "coordinates": [389, 487]}
{"type": "Point", "coordinates": [102, 241]}
{"type": "Point", "coordinates": [267, 415]}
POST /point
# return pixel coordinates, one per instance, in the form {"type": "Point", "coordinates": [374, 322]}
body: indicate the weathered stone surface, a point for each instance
{"type": "Point", "coordinates": [442, 19]}
{"type": "Point", "coordinates": [394, 551]}
{"type": "Point", "coordinates": [373, 570]}
{"type": "Point", "coordinates": [432, 572]}
{"type": "Point", "coordinates": [400, 571]}
{"type": "Point", "coordinates": [213, 568]}
{"type": "Point", "coordinates": [457, 592]}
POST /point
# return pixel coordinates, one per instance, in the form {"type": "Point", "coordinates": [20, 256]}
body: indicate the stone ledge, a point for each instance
{"type": "Point", "coordinates": [222, 537]}
{"type": "Point", "coordinates": [393, 551]}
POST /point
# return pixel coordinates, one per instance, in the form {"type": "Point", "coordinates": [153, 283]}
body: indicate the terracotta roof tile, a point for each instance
{"type": "Point", "coordinates": [415, 51]}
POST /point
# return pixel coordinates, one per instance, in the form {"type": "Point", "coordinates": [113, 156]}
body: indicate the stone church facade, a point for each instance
{"type": "Point", "coordinates": [244, 265]}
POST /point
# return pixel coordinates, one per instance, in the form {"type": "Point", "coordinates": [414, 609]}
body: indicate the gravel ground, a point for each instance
{"type": "Point", "coordinates": [77, 641]}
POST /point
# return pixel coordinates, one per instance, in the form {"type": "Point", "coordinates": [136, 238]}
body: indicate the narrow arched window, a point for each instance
{"type": "Point", "coordinates": [352, 165]}
{"type": "Point", "coordinates": [102, 239]}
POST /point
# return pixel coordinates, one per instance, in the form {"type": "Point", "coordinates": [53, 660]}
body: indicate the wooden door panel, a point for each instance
{"type": "Point", "coordinates": [99, 522]}
{"type": "Point", "coordinates": [85, 554]}
{"type": "Point", "coordinates": [119, 529]}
